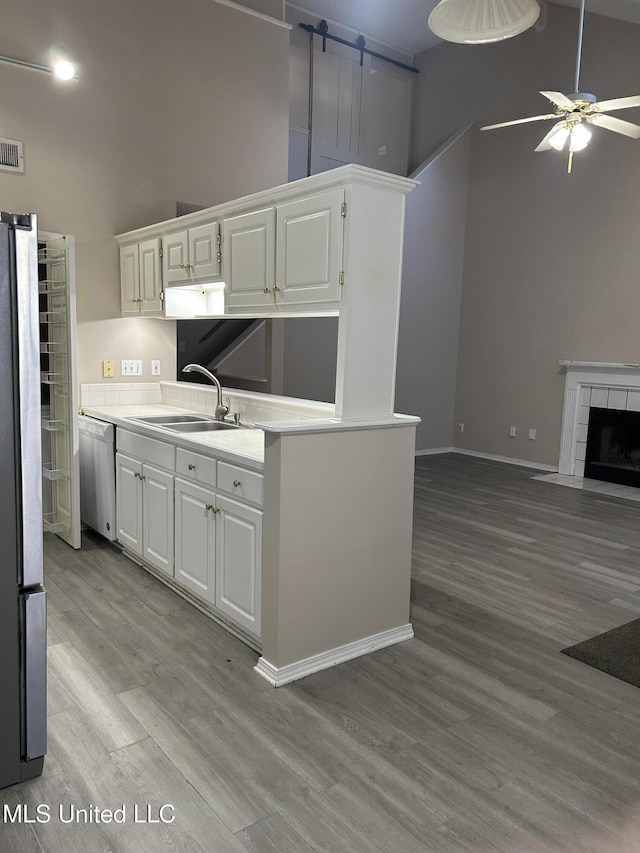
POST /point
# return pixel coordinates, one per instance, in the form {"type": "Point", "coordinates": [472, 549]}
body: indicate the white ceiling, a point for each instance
{"type": "Point", "coordinates": [403, 23]}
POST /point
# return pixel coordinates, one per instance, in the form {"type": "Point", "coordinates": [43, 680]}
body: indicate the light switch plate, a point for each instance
{"type": "Point", "coordinates": [131, 367]}
{"type": "Point", "coordinates": [155, 367]}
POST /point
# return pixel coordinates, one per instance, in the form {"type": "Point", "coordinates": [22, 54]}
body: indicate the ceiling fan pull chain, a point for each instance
{"type": "Point", "coordinates": [579, 56]}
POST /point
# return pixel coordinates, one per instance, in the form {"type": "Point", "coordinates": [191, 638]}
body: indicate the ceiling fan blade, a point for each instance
{"type": "Point", "coordinates": [519, 121]}
{"type": "Point", "coordinates": [545, 144]}
{"type": "Point", "coordinates": [618, 104]}
{"type": "Point", "coordinates": [560, 100]}
{"type": "Point", "coordinates": [616, 124]}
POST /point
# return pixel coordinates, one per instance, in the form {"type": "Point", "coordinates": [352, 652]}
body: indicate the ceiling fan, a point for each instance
{"type": "Point", "coordinates": [578, 110]}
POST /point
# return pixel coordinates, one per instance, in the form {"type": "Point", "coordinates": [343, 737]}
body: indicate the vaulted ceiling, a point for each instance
{"type": "Point", "coordinates": [403, 23]}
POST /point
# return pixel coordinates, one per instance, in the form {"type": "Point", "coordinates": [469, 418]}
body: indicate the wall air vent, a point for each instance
{"type": "Point", "coordinates": [11, 155]}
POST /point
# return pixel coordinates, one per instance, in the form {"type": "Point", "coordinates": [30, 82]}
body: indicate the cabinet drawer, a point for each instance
{"type": "Point", "coordinates": [147, 449]}
{"type": "Point", "coordinates": [194, 466]}
{"type": "Point", "coordinates": [241, 483]}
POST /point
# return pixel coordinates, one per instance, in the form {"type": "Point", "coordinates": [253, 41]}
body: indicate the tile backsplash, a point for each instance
{"type": "Point", "coordinates": [252, 407]}
{"type": "Point", "coordinates": [121, 394]}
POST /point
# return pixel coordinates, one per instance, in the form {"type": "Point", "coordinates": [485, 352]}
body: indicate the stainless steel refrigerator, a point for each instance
{"type": "Point", "coordinates": [22, 596]}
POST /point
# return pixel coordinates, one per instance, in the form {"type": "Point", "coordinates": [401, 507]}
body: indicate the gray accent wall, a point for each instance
{"type": "Point", "coordinates": [183, 100]}
{"type": "Point", "coordinates": [432, 268]}
{"type": "Point", "coordinates": [551, 260]}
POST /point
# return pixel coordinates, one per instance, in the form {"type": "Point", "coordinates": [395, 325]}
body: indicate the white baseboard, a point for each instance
{"type": "Point", "coordinates": [524, 463]}
{"type": "Point", "coordinates": [509, 460]}
{"type": "Point", "coordinates": [277, 676]}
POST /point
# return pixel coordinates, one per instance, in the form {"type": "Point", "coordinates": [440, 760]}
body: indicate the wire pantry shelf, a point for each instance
{"type": "Point", "coordinates": [48, 286]}
{"type": "Point", "coordinates": [51, 523]}
{"type": "Point", "coordinates": [50, 472]}
{"type": "Point", "coordinates": [48, 256]}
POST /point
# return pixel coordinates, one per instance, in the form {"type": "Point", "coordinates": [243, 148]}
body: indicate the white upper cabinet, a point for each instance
{"type": "Point", "coordinates": [191, 254]}
{"type": "Point", "coordinates": [309, 249]}
{"type": "Point", "coordinates": [141, 279]}
{"type": "Point", "coordinates": [249, 243]}
{"type": "Point", "coordinates": [284, 256]}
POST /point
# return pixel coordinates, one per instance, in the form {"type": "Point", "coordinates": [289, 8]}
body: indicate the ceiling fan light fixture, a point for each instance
{"type": "Point", "coordinates": [580, 137]}
{"type": "Point", "coordinates": [482, 21]}
{"type": "Point", "coordinates": [559, 136]}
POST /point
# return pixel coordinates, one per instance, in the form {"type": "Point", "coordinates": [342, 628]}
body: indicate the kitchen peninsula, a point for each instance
{"type": "Point", "coordinates": [336, 498]}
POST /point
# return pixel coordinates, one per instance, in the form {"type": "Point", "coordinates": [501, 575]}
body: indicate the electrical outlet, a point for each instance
{"type": "Point", "coordinates": [532, 435]}
{"type": "Point", "coordinates": [382, 150]}
{"type": "Point", "coordinates": [460, 427]}
{"type": "Point", "coordinates": [131, 367]}
{"type": "Point", "coordinates": [108, 368]}
{"type": "Point", "coordinates": [513, 432]}
{"type": "Point", "coordinates": [155, 367]}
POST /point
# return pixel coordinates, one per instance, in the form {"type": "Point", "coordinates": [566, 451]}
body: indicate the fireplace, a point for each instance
{"type": "Point", "coordinates": [613, 446]}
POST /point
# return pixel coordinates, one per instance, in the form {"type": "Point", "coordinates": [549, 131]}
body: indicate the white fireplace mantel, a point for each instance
{"type": "Point", "coordinates": [608, 385]}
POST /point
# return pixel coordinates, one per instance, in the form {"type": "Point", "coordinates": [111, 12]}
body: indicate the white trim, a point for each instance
{"type": "Point", "coordinates": [434, 451]}
{"type": "Point", "coordinates": [509, 460]}
{"type": "Point", "coordinates": [277, 676]}
{"type": "Point", "coordinates": [240, 8]}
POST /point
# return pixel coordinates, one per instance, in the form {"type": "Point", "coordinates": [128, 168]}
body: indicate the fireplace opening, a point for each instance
{"type": "Point", "coordinates": [613, 446]}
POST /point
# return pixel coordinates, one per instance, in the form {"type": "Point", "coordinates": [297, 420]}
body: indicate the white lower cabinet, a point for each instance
{"type": "Point", "coordinates": [219, 552]}
{"type": "Point", "coordinates": [195, 539]}
{"type": "Point", "coordinates": [157, 518]}
{"type": "Point", "coordinates": [129, 503]}
{"type": "Point", "coordinates": [144, 511]}
{"type": "Point", "coordinates": [239, 562]}
{"type": "Point", "coordinates": [216, 552]}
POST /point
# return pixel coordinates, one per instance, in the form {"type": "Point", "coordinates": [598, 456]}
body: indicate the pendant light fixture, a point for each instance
{"type": "Point", "coordinates": [482, 21]}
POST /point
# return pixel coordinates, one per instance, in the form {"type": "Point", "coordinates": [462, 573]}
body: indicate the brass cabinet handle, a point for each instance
{"type": "Point", "coordinates": [267, 290]}
{"type": "Point", "coordinates": [136, 299]}
{"type": "Point", "coordinates": [208, 507]}
{"type": "Point", "coordinates": [236, 483]}
{"type": "Point", "coordinates": [192, 467]}
{"type": "Point", "coordinates": [276, 289]}
{"type": "Point", "coordinates": [139, 476]}
{"type": "Point", "coordinates": [211, 507]}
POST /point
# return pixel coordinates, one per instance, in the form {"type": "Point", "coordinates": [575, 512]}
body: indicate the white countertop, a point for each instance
{"type": "Point", "coordinates": [245, 446]}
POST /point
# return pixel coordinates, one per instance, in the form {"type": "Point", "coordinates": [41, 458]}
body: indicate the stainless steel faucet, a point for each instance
{"type": "Point", "coordinates": [221, 409]}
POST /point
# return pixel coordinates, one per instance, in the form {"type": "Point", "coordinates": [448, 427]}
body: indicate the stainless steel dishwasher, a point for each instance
{"type": "Point", "coordinates": [97, 475]}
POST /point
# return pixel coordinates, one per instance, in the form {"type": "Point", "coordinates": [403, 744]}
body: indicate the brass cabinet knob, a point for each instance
{"type": "Point", "coordinates": [267, 290]}
{"type": "Point", "coordinates": [208, 507]}
{"type": "Point", "coordinates": [192, 467]}
{"type": "Point", "coordinates": [211, 507]}
{"type": "Point", "coordinates": [236, 483]}
{"type": "Point", "coordinates": [215, 509]}
{"type": "Point", "coordinates": [276, 289]}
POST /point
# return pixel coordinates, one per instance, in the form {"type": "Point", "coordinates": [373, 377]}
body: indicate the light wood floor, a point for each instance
{"type": "Point", "coordinates": [476, 736]}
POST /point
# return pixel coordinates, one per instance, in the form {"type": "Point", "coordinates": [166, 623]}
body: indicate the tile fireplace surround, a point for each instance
{"type": "Point", "coordinates": [591, 383]}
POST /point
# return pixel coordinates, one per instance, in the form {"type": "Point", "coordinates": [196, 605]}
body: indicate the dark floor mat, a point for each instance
{"type": "Point", "coordinates": [616, 652]}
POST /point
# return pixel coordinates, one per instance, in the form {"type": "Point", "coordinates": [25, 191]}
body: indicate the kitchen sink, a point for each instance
{"type": "Point", "coordinates": [199, 426]}
{"type": "Point", "coordinates": [174, 419]}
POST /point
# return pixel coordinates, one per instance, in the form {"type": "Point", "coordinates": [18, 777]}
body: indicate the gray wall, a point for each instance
{"type": "Point", "coordinates": [551, 260]}
{"type": "Point", "coordinates": [175, 101]}
{"type": "Point", "coordinates": [432, 268]}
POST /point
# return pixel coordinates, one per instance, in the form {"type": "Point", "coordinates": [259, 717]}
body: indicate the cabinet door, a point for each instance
{"type": "Point", "coordinates": [175, 257]}
{"type": "Point", "coordinates": [203, 252]}
{"type": "Point", "coordinates": [157, 505]}
{"type": "Point", "coordinates": [248, 257]}
{"type": "Point", "coordinates": [129, 503]}
{"type": "Point", "coordinates": [239, 563]}
{"type": "Point", "coordinates": [150, 277]}
{"type": "Point", "coordinates": [195, 539]}
{"type": "Point", "coordinates": [130, 280]}
{"type": "Point", "coordinates": [309, 249]}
